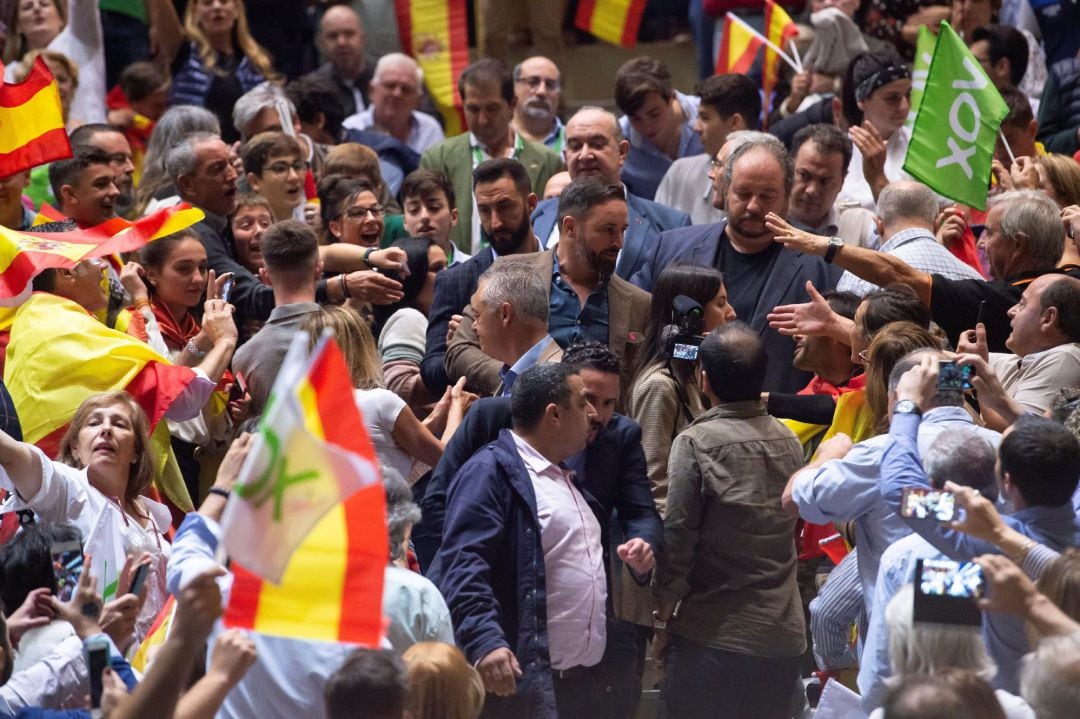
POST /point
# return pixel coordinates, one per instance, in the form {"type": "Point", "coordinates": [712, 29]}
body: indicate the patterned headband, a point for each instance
{"type": "Point", "coordinates": [884, 76]}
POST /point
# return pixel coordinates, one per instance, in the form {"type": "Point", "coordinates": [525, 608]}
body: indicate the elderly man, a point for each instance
{"type": "Point", "coordinates": [595, 147]}
{"type": "Point", "coordinates": [729, 103]}
{"type": "Point", "coordinates": [396, 90]}
{"type": "Point", "coordinates": [758, 179]}
{"type": "Point", "coordinates": [487, 91]}
{"type": "Point", "coordinates": [1024, 238]}
{"type": "Point", "coordinates": [342, 41]}
{"type": "Point", "coordinates": [586, 299]}
{"type": "Point", "coordinates": [733, 614]}
{"type": "Point", "coordinates": [1045, 356]}
{"type": "Point", "coordinates": [538, 89]}
{"type": "Point", "coordinates": [906, 211]}
{"type": "Point", "coordinates": [822, 154]}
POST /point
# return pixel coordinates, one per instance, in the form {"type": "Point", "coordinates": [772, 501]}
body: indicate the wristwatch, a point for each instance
{"type": "Point", "coordinates": [906, 406]}
{"type": "Point", "coordinates": [835, 243]}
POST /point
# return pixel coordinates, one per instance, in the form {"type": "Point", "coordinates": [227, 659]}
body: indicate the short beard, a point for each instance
{"type": "Point", "coordinates": [512, 244]}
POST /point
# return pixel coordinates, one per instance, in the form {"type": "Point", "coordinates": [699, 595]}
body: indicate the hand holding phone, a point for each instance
{"type": "Point", "coordinates": [97, 658]}
{"type": "Point", "coordinates": [946, 592]}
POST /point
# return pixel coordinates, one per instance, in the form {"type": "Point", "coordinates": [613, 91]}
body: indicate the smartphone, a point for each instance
{"type": "Point", "coordinates": [97, 658]}
{"type": "Point", "coordinates": [67, 563]}
{"type": "Point", "coordinates": [979, 317]}
{"type": "Point", "coordinates": [238, 389]}
{"type": "Point", "coordinates": [226, 289]}
{"type": "Point", "coordinates": [139, 578]}
{"type": "Point", "coordinates": [922, 503]}
{"type": "Point", "coordinates": [945, 592]}
{"type": "Point", "coordinates": [954, 376]}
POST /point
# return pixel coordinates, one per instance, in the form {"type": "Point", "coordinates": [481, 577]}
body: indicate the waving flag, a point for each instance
{"type": "Point", "coordinates": [739, 46]}
{"type": "Point", "coordinates": [307, 528]}
{"type": "Point", "coordinates": [435, 32]}
{"type": "Point", "coordinates": [952, 141]}
{"type": "Point", "coordinates": [31, 122]}
{"type": "Point", "coordinates": [779, 28]}
{"type": "Point", "coordinates": [613, 21]}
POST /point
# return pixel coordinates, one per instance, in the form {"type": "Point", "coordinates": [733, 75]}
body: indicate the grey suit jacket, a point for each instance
{"type": "Point", "coordinates": [628, 310]}
{"type": "Point", "coordinates": [684, 188]}
{"type": "Point", "coordinates": [786, 285]}
{"type": "Point", "coordinates": [646, 220]}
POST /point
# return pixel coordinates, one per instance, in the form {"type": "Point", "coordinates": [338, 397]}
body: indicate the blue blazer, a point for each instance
{"type": "Point", "coordinates": [615, 477]}
{"type": "Point", "coordinates": [786, 285]}
{"type": "Point", "coordinates": [454, 287]}
{"type": "Point", "coordinates": [646, 221]}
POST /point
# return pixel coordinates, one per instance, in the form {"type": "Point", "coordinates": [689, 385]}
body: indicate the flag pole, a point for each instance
{"type": "Point", "coordinates": [795, 54]}
{"type": "Point", "coordinates": [1012, 157]}
{"type": "Point", "coordinates": [766, 41]}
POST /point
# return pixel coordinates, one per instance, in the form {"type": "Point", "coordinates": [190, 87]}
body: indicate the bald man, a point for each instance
{"type": "Point", "coordinates": [538, 89]}
{"type": "Point", "coordinates": [348, 65]}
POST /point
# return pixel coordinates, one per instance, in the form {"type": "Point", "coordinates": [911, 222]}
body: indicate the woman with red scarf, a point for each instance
{"type": "Point", "coordinates": [171, 281]}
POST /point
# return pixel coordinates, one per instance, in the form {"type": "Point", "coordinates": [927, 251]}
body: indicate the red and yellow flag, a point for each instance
{"type": "Point", "coordinates": [779, 28]}
{"type": "Point", "coordinates": [435, 32]}
{"type": "Point", "coordinates": [31, 122]}
{"type": "Point", "coordinates": [307, 528]}
{"type": "Point", "coordinates": [739, 46]}
{"type": "Point", "coordinates": [613, 21]}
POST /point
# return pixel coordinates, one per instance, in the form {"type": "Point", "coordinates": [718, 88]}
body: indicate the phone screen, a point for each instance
{"type": "Point", "coordinates": [139, 578]}
{"type": "Point", "coordinates": [928, 504]}
{"type": "Point", "coordinates": [67, 562]}
{"type": "Point", "coordinates": [226, 289]}
{"type": "Point", "coordinates": [954, 376]}
{"type": "Point", "coordinates": [97, 658]}
{"type": "Point", "coordinates": [685, 352]}
{"type": "Point", "coordinates": [945, 592]}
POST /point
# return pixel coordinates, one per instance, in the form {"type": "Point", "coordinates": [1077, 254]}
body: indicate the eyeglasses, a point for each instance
{"type": "Point", "coordinates": [282, 168]}
{"type": "Point", "coordinates": [865, 356]}
{"type": "Point", "coordinates": [715, 165]}
{"type": "Point", "coordinates": [92, 264]}
{"type": "Point", "coordinates": [534, 82]}
{"type": "Point", "coordinates": [358, 213]}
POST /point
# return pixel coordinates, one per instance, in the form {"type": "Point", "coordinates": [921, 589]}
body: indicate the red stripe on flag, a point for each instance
{"type": "Point", "coordinates": [583, 18]}
{"type": "Point", "coordinates": [342, 424]}
{"type": "Point", "coordinates": [46, 147]}
{"type": "Point", "coordinates": [365, 567]}
{"type": "Point", "coordinates": [403, 10]}
{"type": "Point", "coordinates": [13, 95]}
{"type": "Point", "coordinates": [50, 443]}
{"type": "Point", "coordinates": [23, 267]}
{"type": "Point", "coordinates": [634, 13]}
{"type": "Point", "coordinates": [157, 386]}
{"type": "Point", "coordinates": [243, 604]}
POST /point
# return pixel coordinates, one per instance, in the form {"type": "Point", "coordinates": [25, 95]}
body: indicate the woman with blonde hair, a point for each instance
{"type": "Point", "coordinates": [397, 435]}
{"type": "Point", "coordinates": [890, 344]}
{"type": "Point", "coordinates": [224, 61]}
{"type": "Point", "coordinates": [442, 683]}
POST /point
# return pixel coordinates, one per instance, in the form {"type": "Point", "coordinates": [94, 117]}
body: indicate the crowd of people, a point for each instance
{"type": "Point", "coordinates": [665, 391]}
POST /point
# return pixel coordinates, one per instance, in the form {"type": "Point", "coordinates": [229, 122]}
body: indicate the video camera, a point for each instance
{"type": "Point", "coordinates": [682, 338]}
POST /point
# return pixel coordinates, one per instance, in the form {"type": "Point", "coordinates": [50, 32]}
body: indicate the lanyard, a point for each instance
{"type": "Point", "coordinates": [478, 152]}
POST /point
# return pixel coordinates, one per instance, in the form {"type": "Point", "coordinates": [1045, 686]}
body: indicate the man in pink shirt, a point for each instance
{"type": "Point", "coordinates": [521, 563]}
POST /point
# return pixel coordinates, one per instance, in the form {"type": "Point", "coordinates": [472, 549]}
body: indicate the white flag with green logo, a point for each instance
{"type": "Point", "coordinates": [952, 142]}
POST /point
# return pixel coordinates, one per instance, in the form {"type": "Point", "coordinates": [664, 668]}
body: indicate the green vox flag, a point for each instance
{"type": "Point", "coordinates": [952, 142]}
{"type": "Point", "coordinates": [924, 53]}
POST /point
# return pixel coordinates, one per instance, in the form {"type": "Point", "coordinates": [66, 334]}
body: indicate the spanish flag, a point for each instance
{"type": "Point", "coordinates": [739, 46]}
{"type": "Point", "coordinates": [307, 525]}
{"type": "Point", "coordinates": [435, 32]}
{"type": "Point", "coordinates": [779, 28]}
{"type": "Point", "coordinates": [31, 122]}
{"type": "Point", "coordinates": [613, 21]}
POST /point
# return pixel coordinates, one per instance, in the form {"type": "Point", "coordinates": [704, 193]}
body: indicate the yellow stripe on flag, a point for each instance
{"type": "Point", "coordinates": [310, 407]}
{"type": "Point", "coordinates": [27, 122]}
{"type": "Point", "coordinates": [609, 20]}
{"type": "Point", "coordinates": [315, 574]}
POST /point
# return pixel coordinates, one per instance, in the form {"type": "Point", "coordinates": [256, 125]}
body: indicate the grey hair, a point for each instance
{"type": "Point", "coordinates": [254, 101]}
{"type": "Point", "coordinates": [517, 284]}
{"type": "Point", "coordinates": [397, 59]}
{"type": "Point", "coordinates": [963, 456]}
{"type": "Point", "coordinates": [741, 137]}
{"type": "Point", "coordinates": [1039, 218]}
{"type": "Point", "coordinates": [619, 136]}
{"type": "Point", "coordinates": [929, 648]}
{"type": "Point", "coordinates": [773, 148]}
{"type": "Point", "coordinates": [401, 511]}
{"type": "Point", "coordinates": [941, 398]}
{"type": "Point", "coordinates": [908, 200]}
{"type": "Point", "coordinates": [177, 123]}
{"type": "Point", "coordinates": [1050, 677]}
{"type": "Point", "coordinates": [181, 158]}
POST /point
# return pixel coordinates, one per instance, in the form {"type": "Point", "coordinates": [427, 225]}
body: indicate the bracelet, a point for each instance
{"type": "Point", "coordinates": [344, 287]}
{"type": "Point", "coordinates": [367, 256]}
{"type": "Point", "coordinates": [194, 351]}
{"type": "Point", "coordinates": [219, 492]}
{"type": "Point", "coordinates": [139, 305]}
{"type": "Point", "coordinates": [1023, 552]}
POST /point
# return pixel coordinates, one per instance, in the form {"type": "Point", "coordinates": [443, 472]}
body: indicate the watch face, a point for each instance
{"type": "Point", "coordinates": [906, 406]}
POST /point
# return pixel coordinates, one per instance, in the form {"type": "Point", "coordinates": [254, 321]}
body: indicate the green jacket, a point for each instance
{"type": "Point", "coordinates": [453, 158]}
